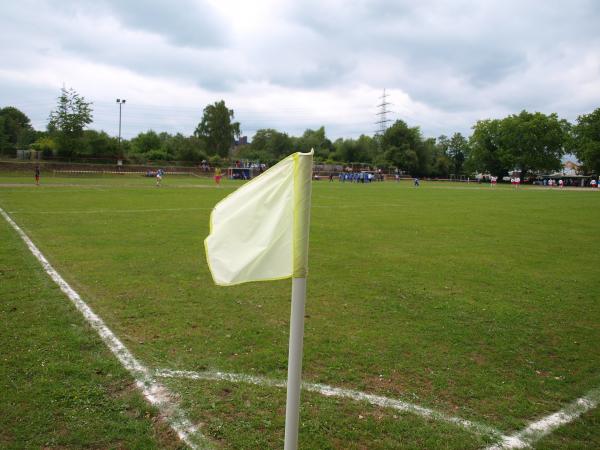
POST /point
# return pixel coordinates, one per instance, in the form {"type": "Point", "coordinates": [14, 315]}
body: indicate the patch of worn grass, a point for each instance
{"type": "Point", "coordinates": [477, 302]}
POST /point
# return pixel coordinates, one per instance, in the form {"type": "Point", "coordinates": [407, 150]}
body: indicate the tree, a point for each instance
{"type": "Point", "coordinates": [425, 156]}
{"type": "Point", "coordinates": [272, 142]}
{"type": "Point", "coordinates": [371, 149]}
{"type": "Point", "coordinates": [252, 154]}
{"type": "Point", "coordinates": [184, 148]}
{"type": "Point", "coordinates": [533, 141]}
{"type": "Point", "coordinates": [487, 154]}
{"type": "Point", "coordinates": [404, 147]}
{"type": "Point", "coordinates": [443, 143]}
{"type": "Point", "coordinates": [361, 150]}
{"type": "Point", "coordinates": [440, 161]}
{"type": "Point", "coordinates": [586, 140]}
{"type": "Point", "coordinates": [15, 130]}
{"type": "Point", "coordinates": [148, 146]}
{"type": "Point", "coordinates": [46, 145]}
{"type": "Point", "coordinates": [99, 144]}
{"type": "Point", "coordinates": [68, 121]}
{"type": "Point", "coordinates": [4, 144]}
{"type": "Point", "coordinates": [217, 128]}
{"type": "Point", "coordinates": [457, 151]}
{"type": "Point", "coordinates": [315, 139]}
{"type": "Point", "coordinates": [146, 142]}
{"type": "Point", "coordinates": [527, 142]}
{"type": "Point", "coordinates": [348, 150]}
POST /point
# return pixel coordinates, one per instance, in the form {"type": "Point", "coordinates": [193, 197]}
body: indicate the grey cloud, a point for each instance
{"type": "Point", "coordinates": [186, 23]}
{"type": "Point", "coordinates": [204, 69]}
{"type": "Point", "coordinates": [478, 43]}
{"type": "Point", "coordinates": [313, 76]}
{"type": "Point", "coordinates": [459, 60]}
{"type": "Point", "coordinates": [71, 30]}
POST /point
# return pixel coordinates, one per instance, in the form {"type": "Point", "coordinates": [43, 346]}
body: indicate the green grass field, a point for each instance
{"type": "Point", "coordinates": [477, 303]}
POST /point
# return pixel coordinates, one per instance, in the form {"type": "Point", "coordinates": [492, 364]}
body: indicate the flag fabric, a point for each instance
{"type": "Point", "coordinates": [260, 232]}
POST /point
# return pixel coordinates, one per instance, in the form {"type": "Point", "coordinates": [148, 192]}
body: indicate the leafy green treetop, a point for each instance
{"type": "Point", "coordinates": [457, 151]}
{"type": "Point", "coordinates": [217, 128]}
{"type": "Point", "coordinates": [271, 141]}
{"type": "Point", "coordinates": [72, 114]}
{"type": "Point", "coordinates": [487, 154]}
{"type": "Point", "coordinates": [404, 147]}
{"type": "Point", "coordinates": [15, 129]}
{"type": "Point", "coordinates": [586, 140]}
{"type": "Point", "coordinates": [533, 141]}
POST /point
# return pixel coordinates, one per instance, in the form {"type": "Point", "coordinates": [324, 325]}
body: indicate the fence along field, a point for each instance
{"type": "Point", "coordinates": [470, 303]}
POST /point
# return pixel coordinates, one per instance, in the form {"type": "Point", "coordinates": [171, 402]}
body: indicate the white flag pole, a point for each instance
{"type": "Point", "coordinates": [302, 194]}
{"type": "Point", "coordinates": [292, 409]}
{"type": "Point", "coordinates": [227, 268]}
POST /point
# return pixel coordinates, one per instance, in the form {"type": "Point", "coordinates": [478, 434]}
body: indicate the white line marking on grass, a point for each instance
{"type": "Point", "coordinates": [157, 394]}
{"type": "Point", "coordinates": [330, 391]}
{"type": "Point", "coordinates": [546, 425]}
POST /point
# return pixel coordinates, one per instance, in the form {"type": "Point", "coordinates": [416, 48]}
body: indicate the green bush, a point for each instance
{"type": "Point", "coordinates": [46, 145]}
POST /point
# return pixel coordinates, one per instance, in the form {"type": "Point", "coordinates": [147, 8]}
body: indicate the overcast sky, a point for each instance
{"type": "Point", "coordinates": [292, 65]}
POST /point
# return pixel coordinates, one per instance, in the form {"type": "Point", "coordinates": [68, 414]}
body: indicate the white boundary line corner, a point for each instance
{"type": "Point", "coordinates": [156, 394]}
{"type": "Point", "coordinates": [159, 395]}
{"type": "Point", "coordinates": [546, 425]}
{"type": "Point", "coordinates": [330, 391]}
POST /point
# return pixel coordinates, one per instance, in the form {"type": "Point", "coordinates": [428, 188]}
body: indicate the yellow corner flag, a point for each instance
{"type": "Point", "coordinates": [260, 232]}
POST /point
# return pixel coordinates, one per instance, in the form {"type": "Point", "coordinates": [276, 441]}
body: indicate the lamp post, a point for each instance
{"type": "Point", "coordinates": [121, 102]}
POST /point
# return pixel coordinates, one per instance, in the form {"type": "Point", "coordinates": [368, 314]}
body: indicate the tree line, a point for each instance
{"type": "Point", "coordinates": [528, 142]}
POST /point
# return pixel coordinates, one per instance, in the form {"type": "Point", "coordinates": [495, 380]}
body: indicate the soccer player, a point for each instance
{"type": "Point", "coordinates": [37, 175]}
{"type": "Point", "coordinates": [159, 175]}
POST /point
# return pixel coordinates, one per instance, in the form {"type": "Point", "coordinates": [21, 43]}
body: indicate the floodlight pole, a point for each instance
{"type": "Point", "coordinates": [121, 102]}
